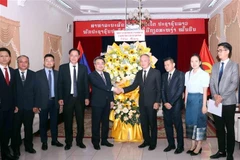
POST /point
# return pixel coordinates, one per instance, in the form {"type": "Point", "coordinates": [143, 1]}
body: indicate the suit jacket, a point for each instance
{"type": "Point", "coordinates": [150, 91]}
{"type": "Point", "coordinates": [172, 93]}
{"type": "Point", "coordinates": [228, 84]}
{"type": "Point", "coordinates": [26, 94]}
{"type": "Point", "coordinates": [7, 91]}
{"type": "Point", "coordinates": [43, 89]}
{"type": "Point", "coordinates": [100, 91]}
{"type": "Point", "coordinates": [64, 83]}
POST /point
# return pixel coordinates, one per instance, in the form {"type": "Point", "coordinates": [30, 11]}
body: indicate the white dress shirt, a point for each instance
{"type": "Point", "coordinates": [71, 74]}
{"type": "Point", "coordinates": [225, 63]}
{"type": "Point", "coordinates": [147, 70]}
{"type": "Point", "coordinates": [3, 71]}
{"type": "Point", "coordinates": [195, 82]}
{"type": "Point", "coordinates": [171, 73]}
{"type": "Point", "coordinates": [20, 73]}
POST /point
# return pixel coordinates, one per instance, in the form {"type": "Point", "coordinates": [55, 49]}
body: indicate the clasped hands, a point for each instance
{"type": "Point", "coordinates": [218, 99]}
{"type": "Point", "coordinates": [118, 90]}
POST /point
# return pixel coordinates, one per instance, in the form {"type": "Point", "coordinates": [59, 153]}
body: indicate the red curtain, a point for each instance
{"type": "Point", "coordinates": [187, 46]}
{"type": "Point", "coordinates": [3, 2]}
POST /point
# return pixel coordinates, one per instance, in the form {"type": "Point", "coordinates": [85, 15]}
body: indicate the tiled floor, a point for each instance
{"type": "Point", "coordinates": [120, 151]}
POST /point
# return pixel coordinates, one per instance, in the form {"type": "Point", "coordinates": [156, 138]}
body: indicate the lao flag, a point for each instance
{"type": "Point", "coordinates": [82, 59]}
{"type": "Point", "coordinates": [207, 60]}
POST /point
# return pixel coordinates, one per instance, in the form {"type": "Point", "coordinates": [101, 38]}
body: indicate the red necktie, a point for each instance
{"type": "Point", "coordinates": [6, 76]}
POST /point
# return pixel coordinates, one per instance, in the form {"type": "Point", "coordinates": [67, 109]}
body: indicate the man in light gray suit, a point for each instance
{"type": "Point", "coordinates": [223, 84]}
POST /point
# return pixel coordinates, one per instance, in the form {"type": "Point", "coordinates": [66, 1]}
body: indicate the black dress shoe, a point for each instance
{"type": "Point", "coordinates": [107, 144]}
{"type": "Point", "coordinates": [190, 151]}
{"type": "Point", "coordinates": [151, 147]}
{"type": "Point", "coordinates": [30, 150]}
{"type": "Point", "coordinates": [179, 150]}
{"type": "Point", "coordinates": [16, 153]}
{"type": "Point", "coordinates": [68, 146]}
{"type": "Point", "coordinates": [57, 143]}
{"type": "Point", "coordinates": [199, 152]}
{"type": "Point", "coordinates": [143, 145]}
{"type": "Point", "coordinates": [44, 146]}
{"type": "Point", "coordinates": [97, 147]}
{"type": "Point", "coordinates": [218, 155]}
{"type": "Point", "coordinates": [81, 145]}
{"type": "Point", "coordinates": [8, 156]}
{"type": "Point", "coordinates": [169, 148]}
{"type": "Point", "coordinates": [229, 157]}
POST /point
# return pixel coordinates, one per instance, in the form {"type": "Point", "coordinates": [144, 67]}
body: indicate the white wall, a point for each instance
{"type": "Point", "coordinates": [35, 18]}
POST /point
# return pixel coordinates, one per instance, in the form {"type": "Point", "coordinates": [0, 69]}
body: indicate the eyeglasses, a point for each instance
{"type": "Point", "coordinates": [220, 50]}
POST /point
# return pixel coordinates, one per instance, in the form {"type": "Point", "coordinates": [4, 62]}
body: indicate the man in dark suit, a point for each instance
{"type": "Point", "coordinates": [25, 102]}
{"type": "Point", "coordinates": [73, 95]}
{"type": "Point", "coordinates": [102, 100]}
{"type": "Point", "coordinates": [172, 91]}
{"type": "Point", "coordinates": [7, 76]}
{"type": "Point", "coordinates": [223, 84]}
{"type": "Point", "coordinates": [149, 81]}
{"type": "Point", "coordinates": [47, 101]}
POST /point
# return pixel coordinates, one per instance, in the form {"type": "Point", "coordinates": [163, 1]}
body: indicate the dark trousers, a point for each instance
{"type": "Point", "coordinates": [51, 110]}
{"type": "Point", "coordinates": [24, 117]}
{"type": "Point", "coordinates": [172, 117]}
{"type": "Point", "coordinates": [148, 118]}
{"type": "Point", "coordinates": [227, 120]}
{"type": "Point", "coordinates": [6, 119]}
{"type": "Point", "coordinates": [100, 114]}
{"type": "Point", "coordinates": [77, 107]}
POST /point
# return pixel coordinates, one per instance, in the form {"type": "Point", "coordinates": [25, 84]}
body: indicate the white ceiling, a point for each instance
{"type": "Point", "coordinates": [116, 9]}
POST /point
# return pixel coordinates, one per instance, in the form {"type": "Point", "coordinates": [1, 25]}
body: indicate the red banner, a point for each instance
{"type": "Point", "coordinates": [3, 2]}
{"type": "Point", "coordinates": [155, 27]}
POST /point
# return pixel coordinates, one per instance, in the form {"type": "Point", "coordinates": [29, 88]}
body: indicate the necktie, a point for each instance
{"type": "Point", "coordinates": [169, 78]}
{"type": "Point", "coordinates": [6, 76]}
{"type": "Point", "coordinates": [220, 73]}
{"type": "Point", "coordinates": [103, 78]}
{"type": "Point", "coordinates": [144, 76]}
{"type": "Point", "coordinates": [50, 83]}
{"type": "Point", "coordinates": [23, 78]}
{"type": "Point", "coordinates": [74, 82]}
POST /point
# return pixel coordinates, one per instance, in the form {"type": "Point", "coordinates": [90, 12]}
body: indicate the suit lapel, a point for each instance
{"type": "Point", "coordinates": [28, 78]}
{"type": "Point", "coordinates": [148, 75]}
{"type": "Point", "coordinates": [100, 78]}
{"type": "Point", "coordinates": [44, 76]}
{"type": "Point", "coordinates": [226, 70]}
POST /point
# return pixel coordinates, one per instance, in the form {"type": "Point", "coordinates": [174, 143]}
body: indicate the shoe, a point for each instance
{"type": "Point", "coordinates": [44, 146]}
{"type": "Point", "coordinates": [169, 148]}
{"type": "Point", "coordinates": [194, 154]}
{"type": "Point", "coordinates": [218, 155]}
{"type": "Point", "coordinates": [179, 150]}
{"type": "Point", "coordinates": [16, 153]}
{"type": "Point", "coordinates": [107, 144]}
{"type": "Point", "coordinates": [190, 151]}
{"type": "Point", "coordinates": [8, 156]}
{"type": "Point", "coordinates": [143, 145]}
{"type": "Point", "coordinates": [229, 157]}
{"type": "Point", "coordinates": [151, 147]}
{"type": "Point", "coordinates": [30, 150]}
{"type": "Point", "coordinates": [97, 147]}
{"type": "Point", "coordinates": [57, 143]}
{"type": "Point", "coordinates": [81, 145]}
{"type": "Point", "coordinates": [67, 147]}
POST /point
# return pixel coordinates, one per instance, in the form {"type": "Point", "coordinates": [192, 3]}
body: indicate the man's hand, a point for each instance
{"type": "Point", "coordinates": [168, 105]}
{"type": "Point", "coordinates": [86, 102]}
{"type": "Point", "coordinates": [60, 102]}
{"type": "Point", "coordinates": [156, 106]}
{"type": "Point", "coordinates": [118, 90]}
{"type": "Point", "coordinates": [218, 99]}
{"type": "Point", "coordinates": [60, 109]}
{"type": "Point", "coordinates": [16, 110]}
{"type": "Point", "coordinates": [111, 105]}
{"type": "Point", "coordinates": [204, 109]}
{"type": "Point", "coordinates": [36, 110]}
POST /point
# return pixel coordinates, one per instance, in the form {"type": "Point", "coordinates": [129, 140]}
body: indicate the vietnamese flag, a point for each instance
{"type": "Point", "coordinates": [207, 60]}
{"type": "Point", "coordinates": [82, 59]}
{"type": "Point", "coordinates": [3, 2]}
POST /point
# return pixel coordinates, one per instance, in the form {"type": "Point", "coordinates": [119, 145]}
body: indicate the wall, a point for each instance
{"type": "Point", "coordinates": [35, 18]}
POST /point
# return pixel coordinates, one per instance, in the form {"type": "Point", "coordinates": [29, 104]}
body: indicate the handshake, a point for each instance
{"type": "Point", "coordinates": [118, 90]}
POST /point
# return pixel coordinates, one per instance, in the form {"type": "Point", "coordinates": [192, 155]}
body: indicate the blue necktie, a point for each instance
{"type": "Point", "coordinates": [220, 73]}
{"type": "Point", "coordinates": [50, 83]}
{"type": "Point", "coordinates": [74, 82]}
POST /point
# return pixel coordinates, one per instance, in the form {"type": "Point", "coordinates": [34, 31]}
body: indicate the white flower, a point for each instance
{"type": "Point", "coordinates": [125, 110]}
{"type": "Point", "coordinates": [125, 118]}
{"type": "Point", "coordinates": [137, 115]}
{"type": "Point", "coordinates": [117, 111]}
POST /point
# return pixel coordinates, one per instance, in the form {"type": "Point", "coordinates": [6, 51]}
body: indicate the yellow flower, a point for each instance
{"type": "Point", "coordinates": [133, 59]}
{"type": "Point", "coordinates": [131, 51]}
{"type": "Point", "coordinates": [125, 68]}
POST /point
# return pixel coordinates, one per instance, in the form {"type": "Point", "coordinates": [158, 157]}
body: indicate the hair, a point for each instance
{"type": "Point", "coordinates": [199, 58]}
{"type": "Point", "coordinates": [74, 49]}
{"type": "Point", "coordinates": [3, 49]}
{"type": "Point", "coordinates": [48, 55]}
{"type": "Point", "coordinates": [98, 57]}
{"type": "Point", "coordinates": [169, 59]}
{"type": "Point", "coordinates": [227, 46]}
{"type": "Point", "coordinates": [144, 55]}
{"type": "Point", "coordinates": [21, 57]}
